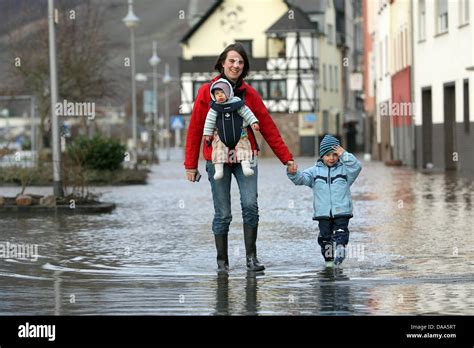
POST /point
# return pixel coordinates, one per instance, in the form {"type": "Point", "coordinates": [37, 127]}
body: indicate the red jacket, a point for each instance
{"type": "Point", "coordinates": [268, 129]}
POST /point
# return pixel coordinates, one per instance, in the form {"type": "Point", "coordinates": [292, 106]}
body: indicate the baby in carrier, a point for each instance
{"type": "Point", "coordinates": [226, 126]}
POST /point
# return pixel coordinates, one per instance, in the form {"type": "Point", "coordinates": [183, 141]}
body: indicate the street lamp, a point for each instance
{"type": "Point", "coordinates": [166, 81]}
{"type": "Point", "coordinates": [154, 61]}
{"type": "Point", "coordinates": [131, 21]}
{"type": "Point", "coordinates": [57, 184]}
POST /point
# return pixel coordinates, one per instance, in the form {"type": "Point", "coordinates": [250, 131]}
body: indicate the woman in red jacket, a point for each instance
{"type": "Point", "coordinates": [233, 65]}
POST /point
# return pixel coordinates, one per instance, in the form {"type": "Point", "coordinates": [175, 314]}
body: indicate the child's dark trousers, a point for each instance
{"type": "Point", "coordinates": [332, 231]}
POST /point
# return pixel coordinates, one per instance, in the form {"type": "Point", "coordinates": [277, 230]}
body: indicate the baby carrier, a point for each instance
{"type": "Point", "coordinates": [228, 122]}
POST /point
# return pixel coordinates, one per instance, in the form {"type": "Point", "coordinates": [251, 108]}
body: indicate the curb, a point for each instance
{"type": "Point", "coordinates": [62, 209]}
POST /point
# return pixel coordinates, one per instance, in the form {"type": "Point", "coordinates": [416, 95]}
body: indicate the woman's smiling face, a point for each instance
{"type": "Point", "coordinates": [233, 65]}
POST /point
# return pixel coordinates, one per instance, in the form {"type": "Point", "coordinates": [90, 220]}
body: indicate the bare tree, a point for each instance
{"type": "Point", "coordinates": [83, 55]}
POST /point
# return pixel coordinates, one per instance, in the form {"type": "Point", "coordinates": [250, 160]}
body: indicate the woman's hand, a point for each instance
{"type": "Point", "coordinates": [256, 127]}
{"type": "Point", "coordinates": [191, 174]}
{"type": "Point", "coordinates": [292, 167]}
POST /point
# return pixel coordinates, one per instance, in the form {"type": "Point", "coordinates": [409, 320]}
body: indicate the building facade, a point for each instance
{"type": "Point", "coordinates": [283, 44]}
{"type": "Point", "coordinates": [369, 78]}
{"type": "Point", "coordinates": [418, 71]}
{"type": "Point", "coordinates": [383, 82]}
{"type": "Point", "coordinates": [402, 108]}
{"type": "Point", "coordinates": [350, 41]}
{"type": "Point", "coordinates": [331, 72]}
{"type": "Point", "coordinates": [443, 75]}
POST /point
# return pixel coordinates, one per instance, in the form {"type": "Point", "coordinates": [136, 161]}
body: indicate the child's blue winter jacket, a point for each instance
{"type": "Point", "coordinates": [331, 186]}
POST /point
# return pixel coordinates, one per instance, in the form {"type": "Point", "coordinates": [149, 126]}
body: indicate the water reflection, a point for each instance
{"type": "Point", "coordinates": [251, 305]}
{"type": "Point", "coordinates": [222, 294]}
{"type": "Point", "coordinates": [251, 293]}
{"type": "Point", "coordinates": [334, 298]}
{"type": "Point", "coordinates": [450, 187]}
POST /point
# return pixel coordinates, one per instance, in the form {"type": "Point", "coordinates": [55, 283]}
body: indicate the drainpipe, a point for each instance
{"type": "Point", "coordinates": [412, 89]}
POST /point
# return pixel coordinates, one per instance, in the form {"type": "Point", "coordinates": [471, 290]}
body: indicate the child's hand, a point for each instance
{"type": "Point", "coordinates": [292, 167]}
{"type": "Point", "coordinates": [208, 139]}
{"type": "Point", "coordinates": [339, 150]}
{"type": "Point", "coordinates": [256, 127]}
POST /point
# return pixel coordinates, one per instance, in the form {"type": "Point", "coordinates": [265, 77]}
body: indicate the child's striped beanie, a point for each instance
{"type": "Point", "coordinates": [327, 144]}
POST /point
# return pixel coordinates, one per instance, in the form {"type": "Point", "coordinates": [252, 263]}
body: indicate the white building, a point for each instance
{"type": "Point", "coordinates": [443, 73]}
{"type": "Point", "coordinates": [283, 48]}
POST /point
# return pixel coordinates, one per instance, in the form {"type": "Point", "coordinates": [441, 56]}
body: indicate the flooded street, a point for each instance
{"type": "Point", "coordinates": [410, 250]}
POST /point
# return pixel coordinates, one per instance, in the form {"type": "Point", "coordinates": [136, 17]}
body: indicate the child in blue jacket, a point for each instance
{"type": "Point", "coordinates": [331, 178]}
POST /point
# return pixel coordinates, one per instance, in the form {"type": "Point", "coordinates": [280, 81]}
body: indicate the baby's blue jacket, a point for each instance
{"type": "Point", "coordinates": [331, 185]}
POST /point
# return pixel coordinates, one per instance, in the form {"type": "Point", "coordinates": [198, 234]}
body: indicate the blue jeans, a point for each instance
{"type": "Point", "coordinates": [221, 196]}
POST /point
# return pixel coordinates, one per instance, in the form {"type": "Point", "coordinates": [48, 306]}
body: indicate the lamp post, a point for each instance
{"type": "Point", "coordinates": [131, 21]}
{"type": "Point", "coordinates": [154, 61]}
{"type": "Point", "coordinates": [57, 184]}
{"type": "Point", "coordinates": [166, 81]}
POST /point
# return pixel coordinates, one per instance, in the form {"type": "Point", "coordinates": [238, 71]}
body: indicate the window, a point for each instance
{"type": "Point", "coordinates": [330, 78]}
{"type": "Point", "coordinates": [247, 46]}
{"type": "Point", "coordinates": [399, 53]}
{"type": "Point", "coordinates": [358, 36]}
{"type": "Point", "coordinates": [466, 11]}
{"type": "Point", "coordinates": [324, 77]}
{"type": "Point", "coordinates": [330, 34]}
{"type": "Point", "coordinates": [402, 44]}
{"type": "Point", "coordinates": [278, 89]}
{"type": "Point", "coordinates": [442, 16]}
{"type": "Point", "coordinates": [407, 48]}
{"type": "Point", "coordinates": [421, 20]}
{"type": "Point", "coordinates": [325, 122]}
{"type": "Point", "coordinates": [261, 87]}
{"type": "Point", "coordinates": [395, 54]}
{"type": "Point", "coordinates": [196, 86]}
{"type": "Point", "coordinates": [380, 60]}
{"type": "Point", "coordinates": [336, 79]}
{"type": "Point", "coordinates": [276, 48]}
{"type": "Point", "coordinates": [463, 12]}
{"type": "Point", "coordinates": [466, 106]}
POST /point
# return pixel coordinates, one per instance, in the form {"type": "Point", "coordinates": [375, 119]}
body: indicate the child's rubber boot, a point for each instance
{"type": "Point", "coordinates": [246, 168]}
{"type": "Point", "coordinates": [340, 255]}
{"type": "Point", "coordinates": [219, 168]}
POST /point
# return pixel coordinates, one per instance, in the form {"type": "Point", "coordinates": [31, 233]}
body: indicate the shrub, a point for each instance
{"type": "Point", "coordinates": [97, 153]}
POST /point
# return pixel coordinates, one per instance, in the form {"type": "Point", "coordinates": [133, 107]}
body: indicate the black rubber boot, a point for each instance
{"type": "Point", "coordinates": [250, 237]}
{"type": "Point", "coordinates": [222, 257]}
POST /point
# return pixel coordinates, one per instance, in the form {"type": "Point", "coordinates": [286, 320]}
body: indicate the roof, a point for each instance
{"type": "Point", "coordinates": [309, 6]}
{"type": "Point", "coordinates": [206, 15]}
{"type": "Point", "coordinates": [300, 22]}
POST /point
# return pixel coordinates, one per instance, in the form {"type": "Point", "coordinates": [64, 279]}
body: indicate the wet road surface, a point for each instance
{"type": "Point", "coordinates": [410, 250]}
